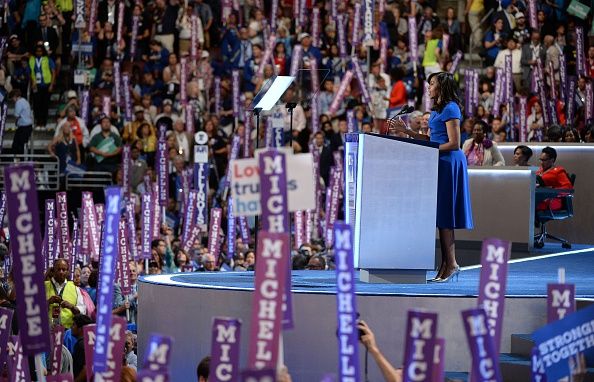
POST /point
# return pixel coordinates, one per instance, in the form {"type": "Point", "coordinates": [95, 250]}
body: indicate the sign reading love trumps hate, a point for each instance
{"type": "Point", "coordinates": [224, 349]}
{"type": "Point", "coordinates": [562, 339]}
{"type": "Point", "coordinates": [106, 276]}
{"type": "Point", "coordinates": [485, 364]}
{"type": "Point", "coordinates": [269, 286]}
{"type": "Point", "coordinates": [421, 332]}
{"type": "Point", "coordinates": [346, 305]}
{"type": "Point", "coordinates": [21, 199]}
{"type": "Point", "coordinates": [560, 301]}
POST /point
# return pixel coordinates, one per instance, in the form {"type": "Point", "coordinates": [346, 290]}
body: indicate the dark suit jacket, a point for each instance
{"type": "Point", "coordinates": [326, 162]}
{"type": "Point", "coordinates": [526, 57]}
{"type": "Point", "coordinates": [51, 38]}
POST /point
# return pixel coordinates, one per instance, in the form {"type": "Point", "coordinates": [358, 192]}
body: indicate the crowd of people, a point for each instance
{"type": "Point", "coordinates": [178, 59]}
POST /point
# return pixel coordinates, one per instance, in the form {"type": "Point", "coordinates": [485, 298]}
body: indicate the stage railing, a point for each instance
{"type": "Point", "coordinates": [46, 167]}
{"type": "Point", "coordinates": [88, 180]}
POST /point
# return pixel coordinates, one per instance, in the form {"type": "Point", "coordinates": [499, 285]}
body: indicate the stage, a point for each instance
{"type": "Point", "coordinates": [182, 306]}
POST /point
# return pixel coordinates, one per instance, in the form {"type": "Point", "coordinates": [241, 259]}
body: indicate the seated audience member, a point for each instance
{"type": "Point", "coordinates": [481, 151]}
{"type": "Point", "coordinates": [203, 369]}
{"type": "Point", "coordinates": [209, 263]}
{"type": "Point", "coordinates": [522, 155]}
{"type": "Point", "coordinates": [551, 176]}
{"type": "Point", "coordinates": [571, 135]}
{"type": "Point", "coordinates": [316, 263]}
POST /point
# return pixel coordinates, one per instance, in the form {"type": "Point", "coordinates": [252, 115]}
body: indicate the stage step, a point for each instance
{"type": "Point", "coordinates": [522, 344]}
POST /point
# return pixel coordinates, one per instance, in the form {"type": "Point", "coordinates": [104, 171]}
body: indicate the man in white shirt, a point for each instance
{"type": "Point", "coordinates": [63, 297]}
{"type": "Point", "coordinates": [24, 122]}
{"type": "Point", "coordinates": [516, 54]}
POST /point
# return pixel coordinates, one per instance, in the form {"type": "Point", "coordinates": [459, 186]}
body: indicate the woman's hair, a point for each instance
{"type": "Point", "coordinates": [551, 152]}
{"type": "Point", "coordinates": [525, 150]}
{"type": "Point", "coordinates": [447, 89]}
{"type": "Point", "coordinates": [482, 124]}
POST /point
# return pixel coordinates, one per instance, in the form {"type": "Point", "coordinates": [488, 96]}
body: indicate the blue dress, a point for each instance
{"type": "Point", "coordinates": [453, 195]}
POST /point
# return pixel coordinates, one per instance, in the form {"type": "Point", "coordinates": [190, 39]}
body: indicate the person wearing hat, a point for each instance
{"type": "Point", "coordinates": [521, 31]}
{"type": "Point", "coordinates": [130, 131]}
{"type": "Point", "coordinates": [15, 52]}
{"type": "Point", "coordinates": [70, 99]}
{"type": "Point", "coordinates": [310, 52]}
{"type": "Point", "coordinates": [167, 117]}
{"type": "Point", "coordinates": [105, 148]}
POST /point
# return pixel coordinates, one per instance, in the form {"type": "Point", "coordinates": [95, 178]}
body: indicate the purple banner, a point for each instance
{"type": "Point", "coordinates": [589, 102]}
{"type": "Point", "coordinates": [127, 98]}
{"type": "Point", "coordinates": [100, 213]}
{"type": "Point", "coordinates": [192, 237]}
{"type": "Point", "coordinates": [117, 81]}
{"type": "Point", "coordinates": [523, 121]}
{"type": "Point", "coordinates": [126, 161]}
{"type": "Point", "coordinates": [93, 227]}
{"type": "Point", "coordinates": [339, 96]}
{"type": "Point", "coordinates": [552, 87]}
{"type": "Point", "coordinates": [383, 54]}
{"type": "Point", "coordinates": [269, 288]}
{"type": "Point", "coordinates": [231, 233]}
{"type": "Point", "coordinates": [162, 163]}
{"type": "Point", "coordinates": [552, 111]}
{"type": "Point", "coordinates": [124, 259]}
{"type": "Point", "coordinates": [273, 14]}
{"type": "Point", "coordinates": [562, 75]}
{"type": "Point", "coordinates": [147, 225]}
{"type": "Point", "coordinates": [18, 364]}
{"type": "Point", "coordinates": [309, 219]}
{"type": "Point", "coordinates": [92, 18]}
{"type": "Point", "coordinates": [120, 21]}
{"type": "Point", "coordinates": [560, 301]}
{"type": "Point", "coordinates": [84, 106]}
{"type": "Point", "coordinates": [189, 117]}
{"type": "Point", "coordinates": [116, 344]}
{"type": "Point", "coordinates": [23, 223]}
{"type": "Point", "coordinates": [580, 58]}
{"type": "Point", "coordinates": [421, 329]}
{"type": "Point", "coordinates": [537, 372]}
{"type": "Point", "coordinates": [201, 185]}
{"type": "Point", "coordinates": [495, 254]}
{"type": "Point", "coordinates": [361, 80]}
{"type": "Point", "coordinates": [332, 211]}
{"type": "Point", "coordinates": [224, 349]}
{"type": "Point", "coordinates": [499, 87]}
{"type": "Point", "coordinates": [299, 229]}
{"type": "Point", "coordinates": [3, 40]}
{"type": "Point", "coordinates": [131, 230]}
{"type": "Point", "coordinates": [5, 330]}
{"type": "Point", "coordinates": [57, 336]}
{"type": "Point", "coordinates": [439, 360]}
{"type": "Point", "coordinates": [157, 355]}
{"type": "Point", "coordinates": [214, 241]}
{"type": "Point", "coordinates": [532, 14]}
{"type": "Point", "coordinates": [3, 123]}
{"type": "Point", "coordinates": [244, 229]}
{"type": "Point", "coordinates": [50, 234]}
{"type": "Point", "coordinates": [64, 231]}
{"type": "Point", "coordinates": [189, 215]}
{"type": "Point", "coordinates": [217, 95]}
{"type": "Point", "coordinates": [74, 248]}
{"type": "Point", "coordinates": [475, 88]}
{"type": "Point", "coordinates": [247, 133]}
{"type": "Point", "coordinates": [485, 360]}
{"type": "Point", "coordinates": [571, 86]}
{"type": "Point", "coordinates": [296, 60]}
{"type": "Point", "coordinates": [315, 27]}
{"type": "Point", "coordinates": [107, 270]}
{"type": "Point", "coordinates": [65, 377]}
{"type": "Point", "coordinates": [455, 62]}
{"type": "Point", "coordinates": [152, 376]}
{"type": "Point", "coordinates": [264, 375]}
{"type": "Point", "coordinates": [342, 39]}
{"type": "Point", "coordinates": [509, 83]}
{"type": "Point", "coordinates": [194, 37]}
{"type": "Point", "coordinates": [106, 105]}
{"type": "Point", "coordinates": [412, 40]}
{"type": "Point", "coordinates": [183, 81]}
{"type": "Point", "coordinates": [235, 76]}
{"type": "Point", "coordinates": [315, 113]}
{"type": "Point", "coordinates": [356, 25]}
{"type": "Point", "coordinates": [346, 304]}
{"type": "Point", "coordinates": [234, 154]}
{"type": "Point", "coordinates": [271, 42]}
{"type": "Point", "coordinates": [134, 37]}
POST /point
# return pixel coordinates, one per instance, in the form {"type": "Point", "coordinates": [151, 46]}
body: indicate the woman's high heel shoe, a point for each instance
{"type": "Point", "coordinates": [437, 277]}
{"type": "Point", "coordinates": [455, 274]}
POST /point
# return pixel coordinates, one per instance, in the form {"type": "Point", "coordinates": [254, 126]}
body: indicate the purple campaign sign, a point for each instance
{"type": "Point", "coordinates": [133, 38]}
{"type": "Point", "coordinates": [361, 81]}
{"type": "Point", "coordinates": [346, 304]}
{"type": "Point", "coordinates": [214, 242]}
{"type": "Point", "coordinates": [66, 377]}
{"type": "Point", "coordinates": [344, 83]}
{"type": "Point", "coordinates": [572, 82]}
{"type": "Point", "coordinates": [231, 233]}
{"type": "Point", "coordinates": [124, 259]}
{"type": "Point", "coordinates": [269, 287]}
{"type": "Point", "coordinates": [64, 231]}
{"type": "Point", "coordinates": [537, 372]}
{"type": "Point", "coordinates": [296, 59]}
{"type": "Point", "coordinates": [21, 199]}
{"type": "Point", "coordinates": [235, 76]}
{"type": "Point", "coordinates": [127, 98]}
{"type": "Point", "coordinates": [18, 364]}
{"type": "Point", "coordinates": [299, 228]}
{"type": "Point", "coordinates": [162, 163]}
{"type": "Point", "coordinates": [493, 282]}
{"type": "Point", "coordinates": [50, 233]}
{"type": "Point", "coordinates": [335, 184]}
{"type": "Point", "coordinates": [224, 349]}
{"type": "Point", "coordinates": [117, 340]}
{"type": "Point", "coordinates": [190, 214]}
{"type": "Point", "coordinates": [342, 44]}
{"type": "Point", "coordinates": [244, 229]}
{"type": "Point", "coordinates": [90, 217]}
{"type": "Point", "coordinates": [412, 40]}
{"type": "Point", "coordinates": [5, 329]}
{"type": "Point", "coordinates": [147, 225]}
{"type": "Point", "coordinates": [439, 360]}
{"type": "Point", "coordinates": [152, 376]}
{"type": "Point", "coordinates": [560, 301]}
{"type": "Point", "coordinates": [356, 25]}
{"type": "Point", "coordinates": [131, 219]}
{"type": "Point", "coordinates": [485, 365]}
{"type": "Point", "coordinates": [126, 161]}
{"type": "Point", "coordinates": [156, 220]}
{"type": "Point", "coordinates": [201, 185]}
{"type": "Point", "coordinates": [421, 330]}
{"type": "Point", "coordinates": [192, 237]}
{"type": "Point", "coordinates": [264, 375]}
{"type": "Point", "coordinates": [56, 354]}
{"type": "Point", "coordinates": [158, 353]}
{"type": "Point", "coordinates": [217, 95]}
{"type": "Point", "coordinates": [106, 277]}
{"type": "Point", "coordinates": [3, 123]}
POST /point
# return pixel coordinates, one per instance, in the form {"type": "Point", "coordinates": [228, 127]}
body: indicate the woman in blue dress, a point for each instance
{"type": "Point", "coordinates": [453, 195]}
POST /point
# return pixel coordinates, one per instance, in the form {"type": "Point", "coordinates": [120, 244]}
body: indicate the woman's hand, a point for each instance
{"type": "Point", "coordinates": [368, 338]}
{"type": "Point", "coordinates": [396, 125]}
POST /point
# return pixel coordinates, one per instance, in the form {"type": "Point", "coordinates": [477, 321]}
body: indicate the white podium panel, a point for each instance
{"type": "Point", "coordinates": [396, 201]}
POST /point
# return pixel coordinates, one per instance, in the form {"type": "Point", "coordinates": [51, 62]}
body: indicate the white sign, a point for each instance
{"type": "Point", "coordinates": [201, 154]}
{"type": "Point", "coordinates": [245, 184]}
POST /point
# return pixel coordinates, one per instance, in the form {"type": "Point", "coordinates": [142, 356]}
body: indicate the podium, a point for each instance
{"type": "Point", "coordinates": [391, 205]}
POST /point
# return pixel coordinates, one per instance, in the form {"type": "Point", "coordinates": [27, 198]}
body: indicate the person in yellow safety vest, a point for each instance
{"type": "Point", "coordinates": [63, 298]}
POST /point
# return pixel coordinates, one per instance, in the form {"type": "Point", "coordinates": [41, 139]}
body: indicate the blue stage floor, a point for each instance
{"type": "Point", "coordinates": [526, 278]}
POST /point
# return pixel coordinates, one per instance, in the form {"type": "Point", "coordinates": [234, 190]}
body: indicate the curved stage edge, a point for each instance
{"type": "Point", "coordinates": [182, 306]}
